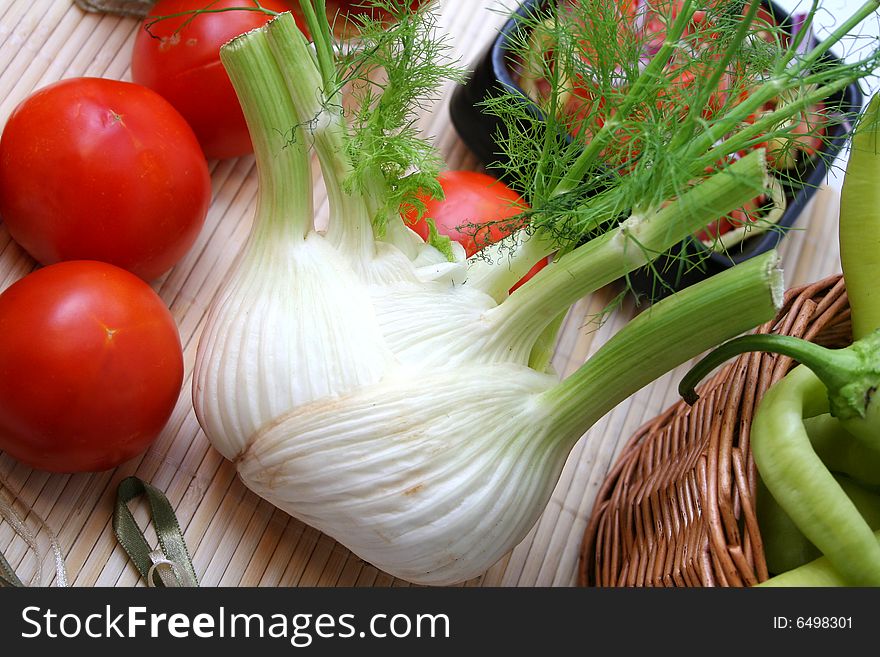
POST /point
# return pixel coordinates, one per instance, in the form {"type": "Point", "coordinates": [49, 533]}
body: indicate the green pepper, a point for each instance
{"type": "Point", "coordinates": [785, 546]}
{"type": "Point", "coordinates": [819, 571]}
{"type": "Point", "coordinates": [857, 471]}
{"type": "Point", "coordinates": [843, 453]}
{"type": "Point", "coordinates": [816, 573]}
{"type": "Point", "coordinates": [843, 381]}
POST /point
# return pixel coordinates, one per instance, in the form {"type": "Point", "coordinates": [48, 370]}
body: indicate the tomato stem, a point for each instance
{"type": "Point", "coordinates": [193, 13]}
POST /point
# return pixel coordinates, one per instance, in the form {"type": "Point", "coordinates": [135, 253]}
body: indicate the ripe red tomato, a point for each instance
{"type": "Point", "coordinates": [184, 67]}
{"type": "Point", "coordinates": [473, 203]}
{"type": "Point", "coordinates": [472, 200]}
{"type": "Point", "coordinates": [90, 367]}
{"type": "Point", "coordinates": [102, 170]}
{"type": "Point", "coordinates": [344, 15]}
{"type": "Point", "coordinates": [359, 7]}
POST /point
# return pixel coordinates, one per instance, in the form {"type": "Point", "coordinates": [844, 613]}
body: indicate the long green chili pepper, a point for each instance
{"type": "Point", "coordinates": [816, 573]}
{"type": "Point", "coordinates": [819, 571]}
{"type": "Point", "coordinates": [860, 222]}
{"type": "Point", "coordinates": [785, 546]}
{"type": "Point", "coordinates": [855, 468]}
{"type": "Point", "coordinates": [803, 485]}
{"type": "Point", "coordinates": [866, 501]}
{"type": "Point", "coordinates": [844, 381]}
{"type": "Point", "coordinates": [842, 453]}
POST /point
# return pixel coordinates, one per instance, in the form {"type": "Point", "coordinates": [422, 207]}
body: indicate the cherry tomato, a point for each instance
{"type": "Point", "coordinates": [183, 65]}
{"type": "Point", "coordinates": [90, 367]}
{"type": "Point", "coordinates": [474, 203]}
{"type": "Point", "coordinates": [102, 170]}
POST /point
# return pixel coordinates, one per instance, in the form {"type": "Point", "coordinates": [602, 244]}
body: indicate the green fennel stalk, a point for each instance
{"type": "Point", "coordinates": [524, 316]}
{"type": "Point", "coordinates": [521, 318]}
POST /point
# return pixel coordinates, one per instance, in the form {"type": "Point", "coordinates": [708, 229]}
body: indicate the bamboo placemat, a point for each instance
{"type": "Point", "coordinates": [236, 538]}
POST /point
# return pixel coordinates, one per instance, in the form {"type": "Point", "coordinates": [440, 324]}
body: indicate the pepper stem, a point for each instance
{"type": "Point", "coordinates": [850, 375]}
{"type": "Point", "coordinates": [833, 367]}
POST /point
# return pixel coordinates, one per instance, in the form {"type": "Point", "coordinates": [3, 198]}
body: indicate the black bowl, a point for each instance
{"type": "Point", "coordinates": [492, 74]}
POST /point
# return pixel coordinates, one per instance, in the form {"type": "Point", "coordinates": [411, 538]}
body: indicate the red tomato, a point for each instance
{"type": "Point", "coordinates": [473, 203]}
{"type": "Point", "coordinates": [355, 7]}
{"type": "Point", "coordinates": [102, 170]}
{"type": "Point", "coordinates": [184, 67]}
{"type": "Point", "coordinates": [343, 15]}
{"type": "Point", "coordinates": [90, 367]}
{"type": "Point", "coordinates": [472, 200]}
{"type": "Point", "coordinates": [750, 212]}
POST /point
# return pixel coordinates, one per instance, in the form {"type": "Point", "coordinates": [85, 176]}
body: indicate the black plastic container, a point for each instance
{"type": "Point", "coordinates": [492, 74]}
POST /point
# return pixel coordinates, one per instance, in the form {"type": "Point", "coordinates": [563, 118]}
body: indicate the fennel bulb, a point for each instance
{"type": "Point", "coordinates": [387, 394]}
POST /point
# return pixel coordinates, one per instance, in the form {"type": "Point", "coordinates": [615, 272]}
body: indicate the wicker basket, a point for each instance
{"type": "Point", "coordinates": [678, 508]}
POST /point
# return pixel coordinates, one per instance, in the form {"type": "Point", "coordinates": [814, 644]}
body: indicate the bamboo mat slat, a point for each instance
{"type": "Point", "coordinates": [237, 539]}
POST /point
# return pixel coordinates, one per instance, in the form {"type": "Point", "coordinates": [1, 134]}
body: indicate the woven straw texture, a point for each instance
{"type": "Point", "coordinates": [236, 538]}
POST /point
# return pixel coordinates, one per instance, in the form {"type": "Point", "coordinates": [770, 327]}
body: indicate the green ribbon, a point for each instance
{"type": "Point", "coordinates": [7, 574]}
{"type": "Point", "coordinates": [172, 562]}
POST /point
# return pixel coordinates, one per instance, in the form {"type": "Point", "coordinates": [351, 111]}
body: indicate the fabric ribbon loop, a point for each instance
{"type": "Point", "coordinates": [7, 574]}
{"type": "Point", "coordinates": [171, 562]}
